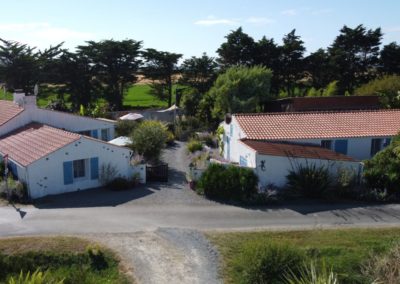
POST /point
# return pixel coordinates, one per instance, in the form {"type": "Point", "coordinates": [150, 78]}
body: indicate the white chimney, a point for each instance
{"type": "Point", "coordinates": [24, 101]}
{"type": "Point", "coordinates": [18, 97]}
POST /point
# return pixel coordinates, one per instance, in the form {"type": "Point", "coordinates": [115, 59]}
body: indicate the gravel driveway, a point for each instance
{"type": "Point", "coordinates": [166, 255]}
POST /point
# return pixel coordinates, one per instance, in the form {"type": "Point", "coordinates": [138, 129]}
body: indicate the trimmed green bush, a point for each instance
{"type": "Point", "coordinates": [149, 139]}
{"type": "Point", "coordinates": [268, 262]}
{"type": "Point", "coordinates": [194, 145]}
{"type": "Point", "coordinates": [228, 183]}
{"type": "Point", "coordinates": [309, 180]}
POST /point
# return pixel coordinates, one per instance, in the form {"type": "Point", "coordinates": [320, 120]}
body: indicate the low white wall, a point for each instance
{"type": "Point", "coordinates": [277, 168]}
{"type": "Point", "coordinates": [140, 170]}
{"type": "Point", "coordinates": [46, 176]}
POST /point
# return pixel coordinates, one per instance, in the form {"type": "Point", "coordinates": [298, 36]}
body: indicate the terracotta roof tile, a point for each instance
{"type": "Point", "coordinates": [295, 150]}
{"type": "Point", "coordinates": [8, 110]}
{"type": "Point", "coordinates": [314, 125]}
{"type": "Point", "coordinates": [34, 141]}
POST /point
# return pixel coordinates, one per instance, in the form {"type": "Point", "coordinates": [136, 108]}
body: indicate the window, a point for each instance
{"type": "Point", "coordinates": [341, 146]}
{"type": "Point", "coordinates": [104, 134]}
{"type": "Point", "coordinates": [79, 168]}
{"type": "Point", "coordinates": [326, 144]}
{"type": "Point", "coordinates": [86, 133]}
{"type": "Point", "coordinates": [376, 146]}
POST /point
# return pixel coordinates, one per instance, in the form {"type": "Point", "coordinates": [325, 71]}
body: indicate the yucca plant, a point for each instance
{"type": "Point", "coordinates": [310, 274]}
{"type": "Point", "coordinates": [37, 277]}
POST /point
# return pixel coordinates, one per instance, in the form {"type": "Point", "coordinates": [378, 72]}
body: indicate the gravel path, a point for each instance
{"type": "Point", "coordinates": [166, 255]}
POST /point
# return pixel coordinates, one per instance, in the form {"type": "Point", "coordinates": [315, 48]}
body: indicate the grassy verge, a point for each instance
{"type": "Point", "coordinates": [344, 250]}
{"type": "Point", "coordinates": [72, 259]}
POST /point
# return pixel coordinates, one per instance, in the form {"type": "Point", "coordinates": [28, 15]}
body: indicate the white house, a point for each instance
{"type": "Point", "coordinates": [55, 152]}
{"type": "Point", "coordinates": [357, 134]}
{"type": "Point", "coordinates": [24, 110]}
{"type": "Point", "coordinates": [272, 143]}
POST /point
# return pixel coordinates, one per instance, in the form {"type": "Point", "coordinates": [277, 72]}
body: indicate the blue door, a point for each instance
{"type": "Point", "coordinates": [341, 146]}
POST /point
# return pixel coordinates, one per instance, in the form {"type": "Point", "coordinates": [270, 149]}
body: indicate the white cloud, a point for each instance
{"type": "Point", "coordinates": [260, 20]}
{"type": "Point", "coordinates": [289, 12]}
{"type": "Point", "coordinates": [212, 21]}
{"type": "Point", "coordinates": [42, 34]}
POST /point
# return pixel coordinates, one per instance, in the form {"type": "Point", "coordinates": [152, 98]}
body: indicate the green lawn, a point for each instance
{"type": "Point", "coordinates": [138, 96]}
{"type": "Point", "coordinates": [65, 258]}
{"type": "Point", "coordinates": [343, 250]}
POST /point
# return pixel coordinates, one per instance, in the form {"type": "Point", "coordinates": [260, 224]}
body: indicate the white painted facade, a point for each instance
{"type": "Point", "coordinates": [46, 175]}
{"type": "Point", "coordinates": [97, 128]}
{"type": "Point", "coordinates": [276, 168]}
{"type": "Point", "coordinates": [357, 148]}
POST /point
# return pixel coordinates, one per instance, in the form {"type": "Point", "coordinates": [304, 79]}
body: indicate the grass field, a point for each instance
{"type": "Point", "coordinates": [65, 258]}
{"type": "Point", "coordinates": [138, 96]}
{"type": "Point", "coordinates": [344, 250]}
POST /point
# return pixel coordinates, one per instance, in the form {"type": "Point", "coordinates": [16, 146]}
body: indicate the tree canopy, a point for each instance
{"type": "Point", "coordinates": [241, 89]}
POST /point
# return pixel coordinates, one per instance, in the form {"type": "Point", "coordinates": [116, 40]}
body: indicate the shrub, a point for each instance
{"type": "Point", "coordinates": [345, 182]}
{"type": "Point", "coordinates": [149, 139]}
{"type": "Point", "coordinates": [97, 257]}
{"type": "Point", "coordinates": [312, 275]}
{"type": "Point", "coordinates": [125, 127]}
{"type": "Point", "coordinates": [119, 183]}
{"type": "Point", "coordinates": [262, 262]}
{"type": "Point", "coordinates": [309, 179]}
{"type": "Point", "coordinates": [382, 172]}
{"type": "Point", "coordinates": [36, 277]}
{"type": "Point", "coordinates": [170, 137]}
{"type": "Point", "coordinates": [194, 145]}
{"type": "Point", "coordinates": [385, 268]}
{"type": "Point", "coordinates": [108, 173]}
{"type": "Point", "coordinates": [228, 183]}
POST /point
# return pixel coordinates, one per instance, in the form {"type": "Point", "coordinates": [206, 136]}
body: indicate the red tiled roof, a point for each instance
{"type": "Point", "coordinates": [34, 141]}
{"type": "Point", "coordinates": [295, 150]}
{"type": "Point", "coordinates": [315, 125]}
{"type": "Point", "coordinates": [8, 110]}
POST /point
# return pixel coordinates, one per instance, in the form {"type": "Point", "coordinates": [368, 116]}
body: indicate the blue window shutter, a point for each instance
{"type": "Point", "coordinates": [94, 168]}
{"type": "Point", "coordinates": [95, 134]}
{"type": "Point", "coordinates": [341, 146]}
{"type": "Point", "coordinates": [68, 172]}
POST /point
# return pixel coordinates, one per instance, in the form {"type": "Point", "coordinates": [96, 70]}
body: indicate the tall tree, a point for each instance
{"type": "Point", "coordinates": [292, 61]}
{"type": "Point", "coordinates": [199, 72]}
{"type": "Point", "coordinates": [390, 58]}
{"type": "Point", "coordinates": [19, 66]}
{"type": "Point", "coordinates": [318, 67]}
{"type": "Point", "coordinates": [161, 66]}
{"type": "Point", "coordinates": [114, 64]}
{"type": "Point", "coordinates": [241, 89]}
{"type": "Point", "coordinates": [238, 49]}
{"type": "Point", "coordinates": [79, 80]}
{"type": "Point", "coordinates": [354, 56]}
{"type": "Point", "coordinates": [267, 53]}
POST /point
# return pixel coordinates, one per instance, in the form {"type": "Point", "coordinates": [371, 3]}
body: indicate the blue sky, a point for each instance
{"type": "Point", "coordinates": [190, 27]}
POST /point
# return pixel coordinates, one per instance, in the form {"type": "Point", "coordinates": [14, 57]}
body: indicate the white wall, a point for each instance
{"type": "Point", "coordinates": [46, 176]}
{"type": "Point", "coordinates": [235, 135]}
{"type": "Point", "coordinates": [277, 167]}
